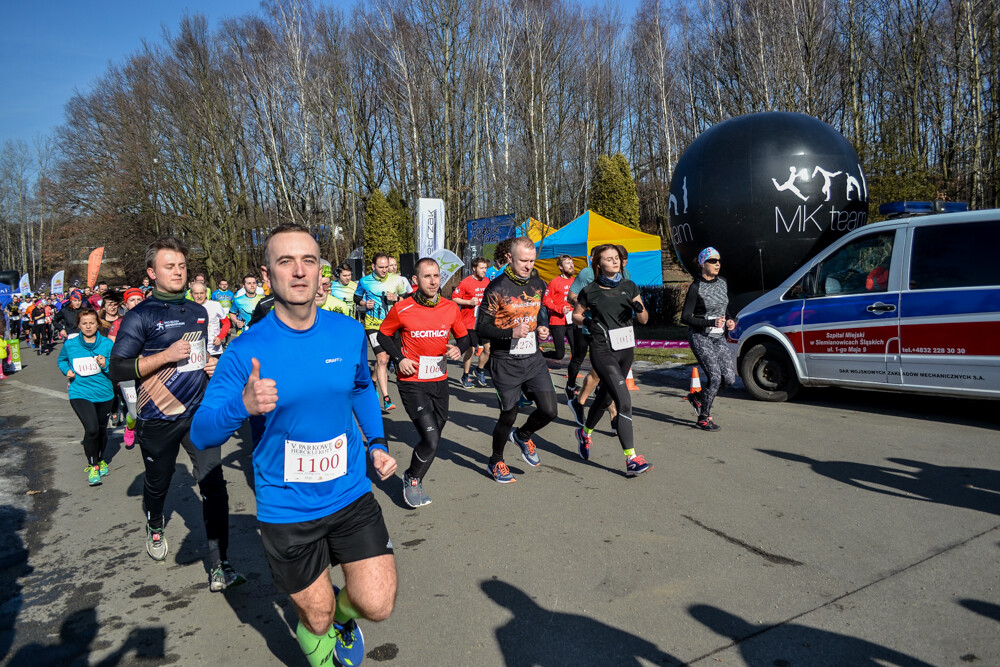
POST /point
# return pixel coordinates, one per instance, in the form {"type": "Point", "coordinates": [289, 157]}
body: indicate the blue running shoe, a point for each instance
{"type": "Point", "coordinates": [527, 449]}
{"type": "Point", "coordinates": [387, 404]}
{"type": "Point", "coordinates": [636, 466]}
{"type": "Point", "coordinates": [349, 650]}
{"type": "Point", "coordinates": [481, 379]}
{"type": "Point", "coordinates": [524, 402]}
{"type": "Point", "coordinates": [501, 473]}
{"type": "Point", "coordinates": [467, 381]}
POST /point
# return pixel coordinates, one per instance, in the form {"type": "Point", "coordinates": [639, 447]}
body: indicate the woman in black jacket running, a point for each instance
{"type": "Point", "coordinates": [706, 314]}
{"type": "Point", "coordinates": [607, 307]}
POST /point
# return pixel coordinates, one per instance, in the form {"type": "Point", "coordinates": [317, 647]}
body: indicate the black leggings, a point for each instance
{"type": "Point", "coordinates": [540, 417]}
{"type": "Point", "coordinates": [559, 333]}
{"type": "Point", "coordinates": [42, 335]}
{"type": "Point", "coordinates": [512, 376]}
{"type": "Point", "coordinates": [160, 442]}
{"type": "Point", "coordinates": [579, 351]}
{"type": "Point", "coordinates": [714, 358]}
{"type": "Point", "coordinates": [426, 403]}
{"type": "Point", "coordinates": [612, 367]}
{"type": "Point", "coordinates": [94, 417]}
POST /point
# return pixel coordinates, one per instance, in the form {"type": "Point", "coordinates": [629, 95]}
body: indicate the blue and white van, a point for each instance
{"type": "Point", "coordinates": [908, 305]}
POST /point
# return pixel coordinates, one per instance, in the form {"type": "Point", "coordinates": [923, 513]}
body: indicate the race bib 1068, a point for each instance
{"type": "Point", "coordinates": [197, 359]}
{"type": "Point", "coordinates": [432, 368]}
{"type": "Point", "coordinates": [314, 462]}
{"type": "Point", "coordinates": [84, 366]}
{"type": "Point", "coordinates": [622, 338]}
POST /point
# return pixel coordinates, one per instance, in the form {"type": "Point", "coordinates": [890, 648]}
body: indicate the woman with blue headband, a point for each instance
{"type": "Point", "coordinates": [706, 312]}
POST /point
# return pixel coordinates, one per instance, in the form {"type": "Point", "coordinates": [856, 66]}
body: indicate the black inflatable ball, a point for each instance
{"type": "Point", "coordinates": [768, 191]}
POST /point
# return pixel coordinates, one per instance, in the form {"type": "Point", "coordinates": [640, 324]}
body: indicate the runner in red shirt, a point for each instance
{"type": "Point", "coordinates": [560, 311]}
{"type": "Point", "coordinates": [424, 322]}
{"type": "Point", "coordinates": [468, 294]}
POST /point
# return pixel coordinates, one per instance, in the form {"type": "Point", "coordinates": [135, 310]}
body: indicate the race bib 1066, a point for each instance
{"type": "Point", "coordinates": [197, 359]}
{"type": "Point", "coordinates": [622, 339]}
{"type": "Point", "coordinates": [526, 345]}
{"type": "Point", "coordinates": [432, 368]}
{"type": "Point", "coordinates": [314, 462]}
{"type": "Point", "coordinates": [84, 366]}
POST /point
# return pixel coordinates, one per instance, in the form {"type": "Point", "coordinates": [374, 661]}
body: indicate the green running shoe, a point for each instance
{"type": "Point", "coordinates": [93, 475]}
{"type": "Point", "coordinates": [102, 467]}
{"type": "Point", "coordinates": [223, 576]}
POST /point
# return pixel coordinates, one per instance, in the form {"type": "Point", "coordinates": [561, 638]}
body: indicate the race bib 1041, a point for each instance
{"type": "Point", "coordinates": [196, 359]}
{"type": "Point", "coordinates": [84, 366]}
{"type": "Point", "coordinates": [526, 345]}
{"type": "Point", "coordinates": [314, 462]}
{"type": "Point", "coordinates": [432, 368]}
{"type": "Point", "coordinates": [622, 338]}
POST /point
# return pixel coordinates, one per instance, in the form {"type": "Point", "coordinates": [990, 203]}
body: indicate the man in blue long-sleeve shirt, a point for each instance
{"type": "Point", "coordinates": [306, 370]}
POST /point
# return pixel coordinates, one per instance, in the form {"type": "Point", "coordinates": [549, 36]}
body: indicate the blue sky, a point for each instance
{"type": "Point", "coordinates": [50, 49]}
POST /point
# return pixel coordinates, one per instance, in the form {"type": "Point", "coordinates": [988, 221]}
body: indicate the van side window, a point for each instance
{"type": "Point", "coordinates": [962, 255]}
{"type": "Point", "coordinates": [860, 267]}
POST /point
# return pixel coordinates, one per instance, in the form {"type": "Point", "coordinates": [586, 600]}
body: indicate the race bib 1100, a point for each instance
{"type": "Point", "coordinates": [314, 462]}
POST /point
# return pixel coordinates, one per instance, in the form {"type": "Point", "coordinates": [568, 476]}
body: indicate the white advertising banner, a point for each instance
{"type": "Point", "coordinates": [57, 282]}
{"type": "Point", "coordinates": [430, 226]}
{"type": "Point", "coordinates": [449, 262]}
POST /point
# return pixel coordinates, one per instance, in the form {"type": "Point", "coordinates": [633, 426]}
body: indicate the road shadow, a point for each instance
{"type": "Point", "coordinates": [971, 488]}
{"type": "Point", "coordinates": [793, 644]}
{"type": "Point", "coordinates": [257, 603]}
{"type": "Point", "coordinates": [74, 647]}
{"type": "Point", "coordinates": [979, 413]}
{"type": "Point", "coordinates": [539, 636]}
{"type": "Point", "coordinates": [987, 609]}
{"type": "Point", "coordinates": [13, 567]}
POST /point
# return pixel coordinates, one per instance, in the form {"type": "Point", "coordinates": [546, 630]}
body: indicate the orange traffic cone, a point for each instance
{"type": "Point", "coordinates": [630, 381]}
{"type": "Point", "coordinates": [695, 380]}
{"type": "Point", "coordinates": [694, 393]}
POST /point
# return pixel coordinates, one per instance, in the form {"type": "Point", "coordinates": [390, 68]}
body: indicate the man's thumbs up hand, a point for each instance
{"type": "Point", "coordinates": [260, 396]}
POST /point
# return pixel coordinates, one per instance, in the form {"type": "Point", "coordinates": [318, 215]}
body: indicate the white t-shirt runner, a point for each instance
{"type": "Point", "coordinates": [215, 315]}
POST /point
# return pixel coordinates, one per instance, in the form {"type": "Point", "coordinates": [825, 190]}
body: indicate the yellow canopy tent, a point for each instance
{"type": "Point", "coordinates": [580, 236]}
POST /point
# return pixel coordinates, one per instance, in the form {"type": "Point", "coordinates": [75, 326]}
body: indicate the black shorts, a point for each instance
{"type": "Point", "coordinates": [299, 553]}
{"type": "Point", "coordinates": [511, 375]}
{"type": "Point", "coordinates": [420, 398]}
{"type": "Point", "coordinates": [373, 340]}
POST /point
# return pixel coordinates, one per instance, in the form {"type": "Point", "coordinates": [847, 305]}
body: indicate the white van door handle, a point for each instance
{"type": "Point", "coordinates": [879, 307]}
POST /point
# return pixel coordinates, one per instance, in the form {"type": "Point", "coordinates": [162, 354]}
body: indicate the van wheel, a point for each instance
{"type": "Point", "coordinates": [768, 373]}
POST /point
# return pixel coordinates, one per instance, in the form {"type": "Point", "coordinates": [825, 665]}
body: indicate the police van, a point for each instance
{"type": "Point", "coordinates": [910, 305]}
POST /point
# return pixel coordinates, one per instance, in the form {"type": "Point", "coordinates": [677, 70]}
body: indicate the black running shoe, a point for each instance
{"type": "Point", "coordinates": [706, 424]}
{"type": "Point", "coordinates": [571, 392]}
{"type": "Point", "coordinates": [694, 398]}
{"type": "Point", "coordinates": [577, 410]}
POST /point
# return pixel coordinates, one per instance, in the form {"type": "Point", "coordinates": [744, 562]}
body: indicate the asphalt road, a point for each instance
{"type": "Point", "coordinates": [846, 528]}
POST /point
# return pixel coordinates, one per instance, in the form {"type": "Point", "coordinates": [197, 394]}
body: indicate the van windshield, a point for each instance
{"type": "Point", "coordinates": [861, 266]}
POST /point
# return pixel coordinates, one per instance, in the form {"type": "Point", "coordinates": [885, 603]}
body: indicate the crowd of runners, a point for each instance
{"type": "Point", "coordinates": [183, 366]}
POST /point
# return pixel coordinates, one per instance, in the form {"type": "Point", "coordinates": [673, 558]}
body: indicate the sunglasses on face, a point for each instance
{"type": "Point", "coordinates": [714, 260]}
